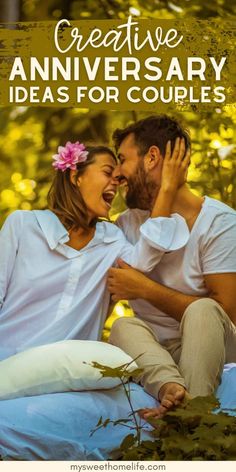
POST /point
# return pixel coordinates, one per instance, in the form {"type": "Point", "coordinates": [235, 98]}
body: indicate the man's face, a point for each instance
{"type": "Point", "coordinates": [140, 189]}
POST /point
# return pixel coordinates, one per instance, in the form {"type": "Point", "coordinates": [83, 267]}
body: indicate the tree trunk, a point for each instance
{"type": "Point", "coordinates": [9, 11]}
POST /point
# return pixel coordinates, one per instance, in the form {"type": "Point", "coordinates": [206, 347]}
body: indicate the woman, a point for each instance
{"type": "Point", "coordinates": [54, 262]}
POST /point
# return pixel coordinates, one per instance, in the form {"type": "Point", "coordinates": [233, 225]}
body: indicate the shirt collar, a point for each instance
{"type": "Point", "coordinates": [111, 232]}
{"type": "Point", "coordinates": [55, 233]}
{"type": "Point", "coordinates": [52, 228]}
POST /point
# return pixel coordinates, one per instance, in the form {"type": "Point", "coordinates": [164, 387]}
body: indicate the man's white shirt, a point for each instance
{"type": "Point", "coordinates": [211, 249]}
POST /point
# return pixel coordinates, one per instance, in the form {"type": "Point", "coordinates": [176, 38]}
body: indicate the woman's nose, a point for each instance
{"type": "Point", "coordinates": [116, 174]}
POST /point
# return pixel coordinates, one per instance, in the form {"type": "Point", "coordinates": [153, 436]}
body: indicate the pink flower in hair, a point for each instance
{"type": "Point", "coordinates": [69, 155]}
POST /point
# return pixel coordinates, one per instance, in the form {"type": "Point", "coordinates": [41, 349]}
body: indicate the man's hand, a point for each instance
{"type": "Point", "coordinates": [175, 166]}
{"type": "Point", "coordinates": [126, 283]}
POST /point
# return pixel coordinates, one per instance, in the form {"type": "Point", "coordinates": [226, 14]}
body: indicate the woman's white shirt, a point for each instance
{"type": "Point", "coordinates": [50, 291]}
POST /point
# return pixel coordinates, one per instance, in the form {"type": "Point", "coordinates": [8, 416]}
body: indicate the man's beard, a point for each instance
{"type": "Point", "coordinates": [141, 192]}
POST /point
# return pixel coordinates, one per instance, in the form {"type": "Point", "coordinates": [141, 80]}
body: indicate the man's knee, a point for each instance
{"type": "Point", "coordinates": [119, 327]}
{"type": "Point", "coordinates": [123, 327]}
{"type": "Point", "coordinates": [203, 312]}
{"type": "Point", "coordinates": [202, 305]}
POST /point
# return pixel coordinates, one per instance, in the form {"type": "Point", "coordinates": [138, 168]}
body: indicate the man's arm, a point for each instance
{"type": "Point", "coordinates": [173, 175]}
{"type": "Point", "coordinates": [222, 288]}
{"type": "Point", "coordinates": [129, 284]}
{"type": "Point", "coordinates": [161, 233]}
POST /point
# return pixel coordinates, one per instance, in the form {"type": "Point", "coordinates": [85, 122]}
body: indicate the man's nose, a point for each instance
{"type": "Point", "coordinates": [116, 174]}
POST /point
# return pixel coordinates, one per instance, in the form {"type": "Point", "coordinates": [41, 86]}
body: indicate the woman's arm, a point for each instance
{"type": "Point", "coordinates": [162, 233]}
{"type": "Point", "coordinates": [9, 240]}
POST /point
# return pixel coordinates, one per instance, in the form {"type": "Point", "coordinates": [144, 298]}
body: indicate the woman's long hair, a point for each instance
{"type": "Point", "coordinates": [64, 197]}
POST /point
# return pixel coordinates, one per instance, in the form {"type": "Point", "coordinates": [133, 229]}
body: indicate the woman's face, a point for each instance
{"type": "Point", "coordinates": [97, 186]}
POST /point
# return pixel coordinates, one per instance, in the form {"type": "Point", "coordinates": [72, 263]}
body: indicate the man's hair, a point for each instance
{"type": "Point", "coordinates": [155, 130]}
{"type": "Point", "coordinates": [64, 196]}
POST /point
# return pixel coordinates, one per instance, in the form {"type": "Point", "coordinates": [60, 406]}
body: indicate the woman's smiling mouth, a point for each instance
{"type": "Point", "coordinates": [108, 197]}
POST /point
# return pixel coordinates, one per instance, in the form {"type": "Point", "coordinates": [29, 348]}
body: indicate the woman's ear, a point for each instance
{"type": "Point", "coordinates": [153, 158]}
{"type": "Point", "coordinates": [74, 180]}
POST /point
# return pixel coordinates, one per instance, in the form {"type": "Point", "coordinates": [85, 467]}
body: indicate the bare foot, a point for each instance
{"type": "Point", "coordinates": [170, 395]}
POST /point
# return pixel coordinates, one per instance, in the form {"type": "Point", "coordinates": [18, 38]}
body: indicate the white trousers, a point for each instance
{"type": "Point", "coordinates": [196, 360]}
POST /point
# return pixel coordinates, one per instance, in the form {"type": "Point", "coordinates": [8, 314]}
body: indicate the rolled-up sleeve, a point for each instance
{"type": "Point", "coordinates": [9, 242]}
{"type": "Point", "coordinates": [157, 236]}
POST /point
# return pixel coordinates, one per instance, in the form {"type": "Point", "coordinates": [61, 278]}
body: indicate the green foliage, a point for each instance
{"type": "Point", "coordinates": [196, 430]}
{"type": "Point", "coordinates": [133, 422]}
{"type": "Point", "coordinates": [191, 432]}
{"type": "Point", "coordinates": [122, 371]}
{"type": "Point", "coordinates": [30, 136]}
{"type": "Point", "coordinates": [88, 9]}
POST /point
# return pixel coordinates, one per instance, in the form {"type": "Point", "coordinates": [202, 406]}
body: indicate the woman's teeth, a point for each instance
{"type": "Point", "coordinates": [108, 197]}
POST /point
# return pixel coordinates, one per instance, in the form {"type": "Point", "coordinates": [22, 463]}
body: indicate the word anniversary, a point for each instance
{"type": "Point", "coordinates": [115, 68]}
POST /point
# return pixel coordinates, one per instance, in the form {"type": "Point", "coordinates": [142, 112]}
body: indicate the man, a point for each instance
{"type": "Point", "coordinates": [186, 311]}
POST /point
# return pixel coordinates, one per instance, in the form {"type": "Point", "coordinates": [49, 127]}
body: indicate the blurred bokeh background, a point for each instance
{"type": "Point", "coordinates": [29, 136]}
{"type": "Point", "coordinates": [34, 10]}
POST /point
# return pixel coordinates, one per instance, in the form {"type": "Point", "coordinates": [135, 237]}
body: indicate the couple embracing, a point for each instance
{"type": "Point", "coordinates": [172, 254]}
